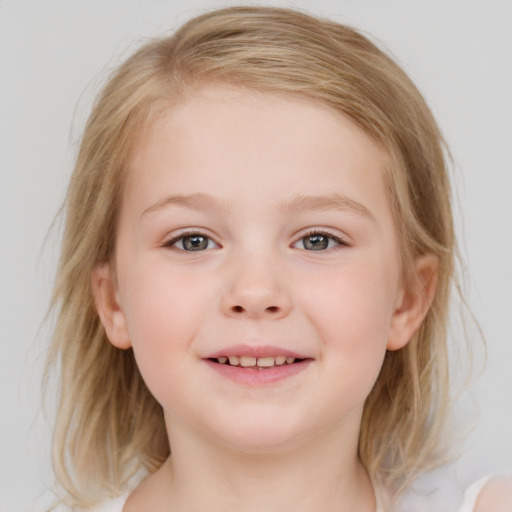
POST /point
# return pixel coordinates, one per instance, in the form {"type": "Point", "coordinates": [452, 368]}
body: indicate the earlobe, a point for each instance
{"type": "Point", "coordinates": [107, 304]}
{"type": "Point", "coordinates": [414, 301]}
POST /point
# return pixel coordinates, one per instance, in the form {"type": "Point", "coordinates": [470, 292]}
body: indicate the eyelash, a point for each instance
{"type": "Point", "coordinates": [190, 234]}
{"type": "Point", "coordinates": [340, 241]}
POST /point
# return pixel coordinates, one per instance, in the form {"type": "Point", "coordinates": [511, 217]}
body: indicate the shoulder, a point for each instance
{"type": "Point", "coordinates": [495, 495]}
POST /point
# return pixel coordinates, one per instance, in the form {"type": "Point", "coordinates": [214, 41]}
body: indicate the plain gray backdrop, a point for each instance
{"type": "Point", "coordinates": [53, 57]}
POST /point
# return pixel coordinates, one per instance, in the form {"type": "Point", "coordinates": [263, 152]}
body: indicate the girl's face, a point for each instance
{"type": "Point", "coordinates": [257, 269]}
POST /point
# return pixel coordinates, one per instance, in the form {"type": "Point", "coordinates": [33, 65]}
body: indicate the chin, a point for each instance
{"type": "Point", "coordinates": [260, 437]}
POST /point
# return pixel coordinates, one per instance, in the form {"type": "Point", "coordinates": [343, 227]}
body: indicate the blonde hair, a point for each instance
{"type": "Point", "coordinates": [108, 424]}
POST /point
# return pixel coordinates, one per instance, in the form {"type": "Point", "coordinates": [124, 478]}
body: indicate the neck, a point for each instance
{"type": "Point", "coordinates": [320, 474]}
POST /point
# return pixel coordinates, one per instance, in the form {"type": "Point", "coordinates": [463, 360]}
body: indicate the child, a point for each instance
{"type": "Point", "coordinates": [255, 276]}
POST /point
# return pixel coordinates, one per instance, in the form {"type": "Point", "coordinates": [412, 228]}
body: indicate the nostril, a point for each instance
{"type": "Point", "coordinates": [269, 309]}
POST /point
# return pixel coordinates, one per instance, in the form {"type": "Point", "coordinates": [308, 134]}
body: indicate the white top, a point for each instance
{"type": "Point", "coordinates": [413, 501]}
{"type": "Point", "coordinates": [471, 495]}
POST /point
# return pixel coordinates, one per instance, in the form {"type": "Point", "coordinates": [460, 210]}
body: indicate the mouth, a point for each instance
{"type": "Point", "coordinates": [257, 363]}
{"type": "Point", "coordinates": [257, 366]}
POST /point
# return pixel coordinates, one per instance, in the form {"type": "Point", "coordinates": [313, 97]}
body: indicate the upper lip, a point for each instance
{"type": "Point", "coordinates": [255, 351]}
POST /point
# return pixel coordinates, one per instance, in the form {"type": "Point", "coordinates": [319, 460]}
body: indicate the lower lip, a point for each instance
{"type": "Point", "coordinates": [254, 377]}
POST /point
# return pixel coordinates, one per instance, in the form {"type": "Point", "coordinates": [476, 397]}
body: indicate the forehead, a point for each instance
{"type": "Point", "coordinates": [235, 133]}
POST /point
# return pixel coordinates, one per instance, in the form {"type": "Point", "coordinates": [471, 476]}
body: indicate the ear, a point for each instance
{"type": "Point", "coordinates": [413, 301]}
{"type": "Point", "coordinates": [109, 310]}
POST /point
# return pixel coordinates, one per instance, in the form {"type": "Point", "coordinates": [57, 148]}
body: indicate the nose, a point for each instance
{"type": "Point", "coordinates": [256, 289]}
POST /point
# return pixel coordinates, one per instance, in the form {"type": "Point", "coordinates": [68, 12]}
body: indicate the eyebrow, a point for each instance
{"type": "Point", "coordinates": [297, 204]}
{"type": "Point", "coordinates": [328, 202]}
{"type": "Point", "coordinates": [193, 201]}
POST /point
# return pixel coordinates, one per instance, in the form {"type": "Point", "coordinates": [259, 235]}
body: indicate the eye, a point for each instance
{"type": "Point", "coordinates": [318, 241]}
{"type": "Point", "coordinates": [191, 242]}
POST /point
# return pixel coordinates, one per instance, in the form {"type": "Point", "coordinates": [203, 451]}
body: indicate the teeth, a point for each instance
{"type": "Point", "coordinates": [266, 361]}
{"type": "Point", "coordinates": [234, 360]}
{"type": "Point", "coordinates": [247, 361]}
{"type": "Point", "coordinates": [260, 362]}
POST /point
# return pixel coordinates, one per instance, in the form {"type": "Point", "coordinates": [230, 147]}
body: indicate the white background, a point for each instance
{"type": "Point", "coordinates": [53, 57]}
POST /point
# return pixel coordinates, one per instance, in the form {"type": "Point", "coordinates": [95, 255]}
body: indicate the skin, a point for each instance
{"type": "Point", "coordinates": [496, 496]}
{"type": "Point", "coordinates": [235, 166]}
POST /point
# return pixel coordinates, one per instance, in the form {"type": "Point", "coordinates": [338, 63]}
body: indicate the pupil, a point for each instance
{"type": "Point", "coordinates": [195, 243]}
{"type": "Point", "coordinates": [316, 242]}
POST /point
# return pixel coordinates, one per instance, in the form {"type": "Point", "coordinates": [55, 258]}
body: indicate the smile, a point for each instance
{"type": "Point", "coordinates": [256, 363]}
{"type": "Point", "coordinates": [259, 365]}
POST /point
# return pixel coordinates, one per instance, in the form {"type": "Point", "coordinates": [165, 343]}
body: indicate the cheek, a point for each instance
{"type": "Point", "coordinates": [163, 311]}
{"type": "Point", "coordinates": [161, 301]}
{"type": "Point", "coordinates": [352, 314]}
{"type": "Point", "coordinates": [353, 304]}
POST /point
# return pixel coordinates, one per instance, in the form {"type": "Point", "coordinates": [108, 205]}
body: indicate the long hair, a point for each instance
{"type": "Point", "coordinates": [108, 424]}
